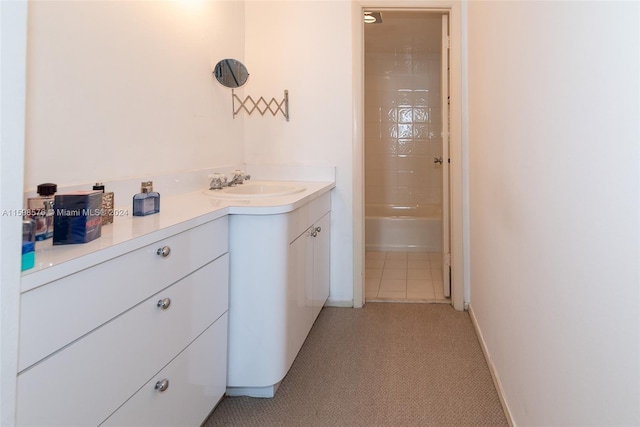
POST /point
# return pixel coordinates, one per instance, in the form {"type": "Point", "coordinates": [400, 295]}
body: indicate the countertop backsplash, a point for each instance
{"type": "Point", "coordinates": [172, 184]}
{"type": "Point", "coordinates": [169, 184]}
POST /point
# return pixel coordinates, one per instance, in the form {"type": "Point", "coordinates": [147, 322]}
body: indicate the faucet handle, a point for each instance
{"type": "Point", "coordinates": [217, 181]}
{"type": "Point", "coordinates": [238, 176]}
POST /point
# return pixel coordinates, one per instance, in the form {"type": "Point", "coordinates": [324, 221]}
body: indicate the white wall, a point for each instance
{"type": "Point", "coordinates": [125, 89]}
{"type": "Point", "coordinates": [554, 187]}
{"type": "Point", "coordinates": [305, 47]}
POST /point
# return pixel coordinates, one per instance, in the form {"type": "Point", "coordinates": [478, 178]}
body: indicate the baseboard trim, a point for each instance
{"type": "Point", "coordinates": [339, 303]}
{"type": "Point", "coordinates": [258, 392]}
{"type": "Point", "coordinates": [492, 370]}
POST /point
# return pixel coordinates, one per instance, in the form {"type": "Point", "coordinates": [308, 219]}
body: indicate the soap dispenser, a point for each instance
{"type": "Point", "coordinates": [146, 202]}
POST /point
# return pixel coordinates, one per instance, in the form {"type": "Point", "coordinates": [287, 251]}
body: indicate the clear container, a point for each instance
{"type": "Point", "coordinates": [40, 209]}
{"type": "Point", "coordinates": [108, 201]}
{"type": "Point", "coordinates": [147, 202]}
{"type": "Point", "coordinates": [28, 243]}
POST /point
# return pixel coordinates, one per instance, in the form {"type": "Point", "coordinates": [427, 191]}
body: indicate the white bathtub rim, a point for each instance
{"type": "Point", "coordinates": [401, 248]}
{"type": "Point", "coordinates": [423, 211]}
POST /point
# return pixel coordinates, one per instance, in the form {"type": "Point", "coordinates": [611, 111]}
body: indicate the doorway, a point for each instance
{"type": "Point", "coordinates": [456, 266]}
{"type": "Point", "coordinates": [406, 156]}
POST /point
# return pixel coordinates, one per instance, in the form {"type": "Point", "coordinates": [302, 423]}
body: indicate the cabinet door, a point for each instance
{"type": "Point", "coordinates": [321, 263]}
{"type": "Point", "coordinates": [299, 292]}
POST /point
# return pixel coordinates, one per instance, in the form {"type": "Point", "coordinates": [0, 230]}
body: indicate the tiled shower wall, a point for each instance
{"type": "Point", "coordinates": [403, 126]}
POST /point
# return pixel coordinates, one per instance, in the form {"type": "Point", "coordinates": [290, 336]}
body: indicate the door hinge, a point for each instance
{"type": "Point", "coordinates": [448, 42]}
{"type": "Point", "coordinates": [447, 259]}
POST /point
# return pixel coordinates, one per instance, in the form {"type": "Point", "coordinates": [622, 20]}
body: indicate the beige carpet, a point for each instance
{"type": "Point", "coordinates": [383, 365]}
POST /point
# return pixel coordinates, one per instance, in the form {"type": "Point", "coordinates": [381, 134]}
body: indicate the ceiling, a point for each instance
{"type": "Point", "coordinates": [403, 30]}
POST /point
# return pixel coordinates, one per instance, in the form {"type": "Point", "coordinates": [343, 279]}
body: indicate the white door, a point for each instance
{"type": "Point", "coordinates": [444, 90]}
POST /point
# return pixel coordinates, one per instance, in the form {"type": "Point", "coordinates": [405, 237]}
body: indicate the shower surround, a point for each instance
{"type": "Point", "coordinates": [403, 126]}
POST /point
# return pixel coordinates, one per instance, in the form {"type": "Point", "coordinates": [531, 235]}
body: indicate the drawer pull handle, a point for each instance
{"type": "Point", "coordinates": [162, 385]}
{"type": "Point", "coordinates": [314, 233]}
{"type": "Point", "coordinates": [164, 303]}
{"type": "Point", "coordinates": [318, 229]}
{"type": "Point", "coordinates": [164, 251]}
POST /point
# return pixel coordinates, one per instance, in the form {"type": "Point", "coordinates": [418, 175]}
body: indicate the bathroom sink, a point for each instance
{"type": "Point", "coordinates": [256, 189]}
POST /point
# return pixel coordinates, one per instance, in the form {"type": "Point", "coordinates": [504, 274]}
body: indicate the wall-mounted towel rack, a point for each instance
{"type": "Point", "coordinates": [249, 105]}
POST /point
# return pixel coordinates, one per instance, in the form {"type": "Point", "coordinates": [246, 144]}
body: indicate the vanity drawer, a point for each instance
{"type": "Point", "coordinates": [196, 382]}
{"type": "Point", "coordinates": [60, 312]}
{"type": "Point", "coordinates": [85, 382]}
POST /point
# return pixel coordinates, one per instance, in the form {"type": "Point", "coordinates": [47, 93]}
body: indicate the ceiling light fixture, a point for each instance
{"type": "Point", "coordinates": [372, 17]}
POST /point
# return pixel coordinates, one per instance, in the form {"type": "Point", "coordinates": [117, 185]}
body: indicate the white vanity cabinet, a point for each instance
{"type": "Point", "coordinates": [278, 285]}
{"type": "Point", "coordinates": [94, 344]}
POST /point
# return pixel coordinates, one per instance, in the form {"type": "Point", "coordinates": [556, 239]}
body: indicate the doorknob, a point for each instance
{"type": "Point", "coordinates": [437, 160]}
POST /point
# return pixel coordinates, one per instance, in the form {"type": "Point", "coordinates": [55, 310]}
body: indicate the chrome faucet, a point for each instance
{"type": "Point", "coordinates": [219, 181]}
{"type": "Point", "coordinates": [238, 177]}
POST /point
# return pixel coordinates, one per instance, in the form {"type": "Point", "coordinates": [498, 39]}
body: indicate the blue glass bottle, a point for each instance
{"type": "Point", "coordinates": [146, 202]}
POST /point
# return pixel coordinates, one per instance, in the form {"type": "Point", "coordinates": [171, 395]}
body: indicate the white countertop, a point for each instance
{"type": "Point", "coordinates": [177, 213]}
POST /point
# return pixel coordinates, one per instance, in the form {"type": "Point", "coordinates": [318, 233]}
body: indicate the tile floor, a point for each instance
{"type": "Point", "coordinates": [404, 276]}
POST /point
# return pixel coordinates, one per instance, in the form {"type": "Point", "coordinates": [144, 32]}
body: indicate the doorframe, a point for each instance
{"type": "Point", "coordinates": [13, 51]}
{"type": "Point", "coordinates": [460, 286]}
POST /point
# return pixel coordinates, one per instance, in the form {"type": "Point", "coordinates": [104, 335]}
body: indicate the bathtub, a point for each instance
{"type": "Point", "coordinates": [403, 228]}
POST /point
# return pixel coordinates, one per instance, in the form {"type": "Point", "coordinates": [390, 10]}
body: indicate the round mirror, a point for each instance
{"type": "Point", "coordinates": [231, 73]}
